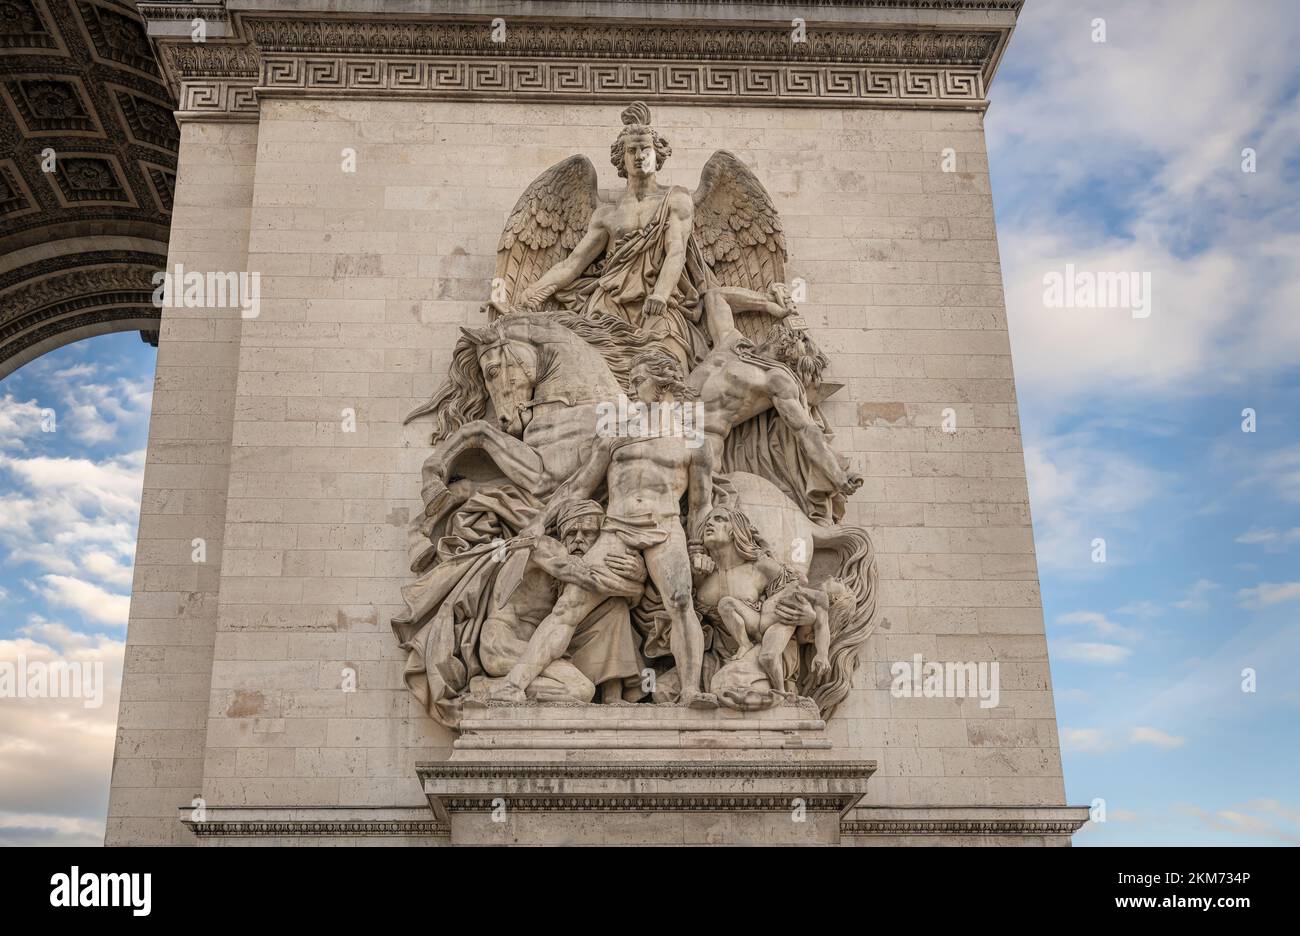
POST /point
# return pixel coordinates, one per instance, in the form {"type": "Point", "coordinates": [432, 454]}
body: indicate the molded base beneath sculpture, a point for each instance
{"type": "Point", "coordinates": [642, 774]}
{"type": "Point", "coordinates": [501, 731]}
{"type": "Point", "coordinates": [647, 803]}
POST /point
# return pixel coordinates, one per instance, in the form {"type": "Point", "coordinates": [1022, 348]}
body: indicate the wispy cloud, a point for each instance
{"type": "Point", "coordinates": [1197, 598]}
{"type": "Point", "coordinates": [1222, 245]}
{"type": "Point", "coordinates": [1267, 593]}
{"type": "Point", "coordinates": [1085, 740]}
{"type": "Point", "coordinates": [1155, 737]}
{"type": "Point", "coordinates": [1099, 624]}
{"type": "Point", "coordinates": [1266, 819]}
{"type": "Point", "coordinates": [55, 754]}
{"type": "Point", "coordinates": [94, 603]}
{"type": "Point", "coordinates": [1093, 652]}
{"type": "Point", "coordinates": [1081, 493]}
{"type": "Point", "coordinates": [1268, 536]}
{"type": "Point", "coordinates": [18, 420]}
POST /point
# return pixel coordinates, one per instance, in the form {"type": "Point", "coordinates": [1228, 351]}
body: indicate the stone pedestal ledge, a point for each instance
{"type": "Point", "coordinates": [962, 825]}
{"type": "Point", "coordinates": [636, 803]}
{"type": "Point", "coordinates": [499, 731]}
{"type": "Point", "coordinates": [314, 825]}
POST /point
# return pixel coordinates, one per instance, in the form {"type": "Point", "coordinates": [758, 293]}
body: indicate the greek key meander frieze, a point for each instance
{"type": "Point", "coordinates": [838, 65]}
{"type": "Point", "coordinates": [216, 97]}
{"type": "Point", "coordinates": [812, 84]}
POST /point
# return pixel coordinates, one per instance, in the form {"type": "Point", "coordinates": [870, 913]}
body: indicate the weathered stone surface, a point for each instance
{"type": "Point", "coordinates": [368, 276]}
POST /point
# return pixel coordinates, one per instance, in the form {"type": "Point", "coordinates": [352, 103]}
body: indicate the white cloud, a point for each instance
{"type": "Point", "coordinates": [1081, 492]}
{"type": "Point", "coordinates": [1287, 813]}
{"type": "Point", "coordinates": [1085, 740]}
{"type": "Point", "coordinates": [1087, 652]}
{"type": "Point", "coordinates": [1141, 609]}
{"type": "Point", "coordinates": [34, 830]}
{"type": "Point", "coordinates": [1221, 245]}
{"type": "Point", "coordinates": [1267, 593]}
{"type": "Point", "coordinates": [18, 419]}
{"type": "Point", "coordinates": [101, 412]}
{"type": "Point", "coordinates": [1240, 820]}
{"type": "Point", "coordinates": [1156, 737]}
{"type": "Point", "coordinates": [56, 792]}
{"type": "Point", "coordinates": [1196, 599]}
{"type": "Point", "coordinates": [1255, 536]}
{"type": "Point", "coordinates": [92, 601]}
{"type": "Point", "coordinates": [85, 369]}
{"type": "Point", "coordinates": [1099, 623]}
{"type": "Point", "coordinates": [107, 568]}
{"type": "Point", "coordinates": [76, 520]}
{"type": "Point", "coordinates": [1279, 470]}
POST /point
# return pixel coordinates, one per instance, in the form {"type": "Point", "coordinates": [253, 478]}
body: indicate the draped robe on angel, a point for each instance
{"type": "Point", "coordinates": [618, 283]}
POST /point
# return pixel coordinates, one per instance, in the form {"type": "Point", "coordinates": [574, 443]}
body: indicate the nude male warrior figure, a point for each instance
{"type": "Point", "coordinates": [646, 478]}
{"type": "Point", "coordinates": [738, 380]}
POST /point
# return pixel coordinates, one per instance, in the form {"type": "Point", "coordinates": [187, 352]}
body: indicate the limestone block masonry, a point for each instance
{"type": "Point", "coordinates": [361, 159]}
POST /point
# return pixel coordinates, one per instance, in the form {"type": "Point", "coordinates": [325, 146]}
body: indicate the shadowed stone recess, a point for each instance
{"type": "Point", "coordinates": [89, 161]}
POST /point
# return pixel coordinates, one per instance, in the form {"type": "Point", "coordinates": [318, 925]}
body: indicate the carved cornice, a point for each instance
{"type": "Point", "coordinates": [37, 294]}
{"type": "Point", "coordinates": [958, 827]}
{"type": "Point", "coordinates": [264, 54]}
{"type": "Point", "coordinates": [212, 79]}
{"type": "Point", "coordinates": [646, 803]}
{"type": "Point", "coordinates": [622, 42]}
{"type": "Point", "coordinates": [681, 770]}
{"type": "Point", "coordinates": [384, 828]}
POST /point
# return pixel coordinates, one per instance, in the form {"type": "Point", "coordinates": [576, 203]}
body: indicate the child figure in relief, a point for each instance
{"type": "Point", "coordinates": [763, 606]}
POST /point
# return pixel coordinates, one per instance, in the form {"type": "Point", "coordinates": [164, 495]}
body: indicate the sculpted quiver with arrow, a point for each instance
{"type": "Point", "coordinates": [632, 495]}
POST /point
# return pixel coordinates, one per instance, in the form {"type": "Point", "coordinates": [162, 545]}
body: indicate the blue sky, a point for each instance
{"type": "Point", "coordinates": [1115, 156]}
{"type": "Point", "coordinates": [69, 510]}
{"type": "Point", "coordinates": [1127, 156]}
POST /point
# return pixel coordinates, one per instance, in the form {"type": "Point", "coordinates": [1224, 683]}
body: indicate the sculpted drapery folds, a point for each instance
{"type": "Point", "coordinates": [697, 554]}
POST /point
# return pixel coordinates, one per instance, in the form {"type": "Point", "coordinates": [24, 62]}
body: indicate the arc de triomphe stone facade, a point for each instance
{"type": "Point", "coordinates": [408, 571]}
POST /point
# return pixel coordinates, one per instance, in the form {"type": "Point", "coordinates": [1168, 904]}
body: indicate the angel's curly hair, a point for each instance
{"type": "Point", "coordinates": [636, 120]}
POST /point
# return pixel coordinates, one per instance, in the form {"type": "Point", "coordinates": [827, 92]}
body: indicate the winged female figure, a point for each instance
{"type": "Point", "coordinates": [647, 256]}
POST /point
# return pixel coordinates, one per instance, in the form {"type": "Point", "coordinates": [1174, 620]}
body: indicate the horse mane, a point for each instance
{"type": "Point", "coordinates": [463, 396]}
{"type": "Point", "coordinates": [616, 340]}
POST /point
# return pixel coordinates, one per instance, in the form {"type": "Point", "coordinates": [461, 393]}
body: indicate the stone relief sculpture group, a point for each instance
{"type": "Point", "coordinates": [671, 561]}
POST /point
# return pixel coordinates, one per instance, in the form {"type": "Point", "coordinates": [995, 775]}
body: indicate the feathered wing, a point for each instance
{"type": "Point", "coordinates": [546, 224]}
{"type": "Point", "coordinates": [739, 232]}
